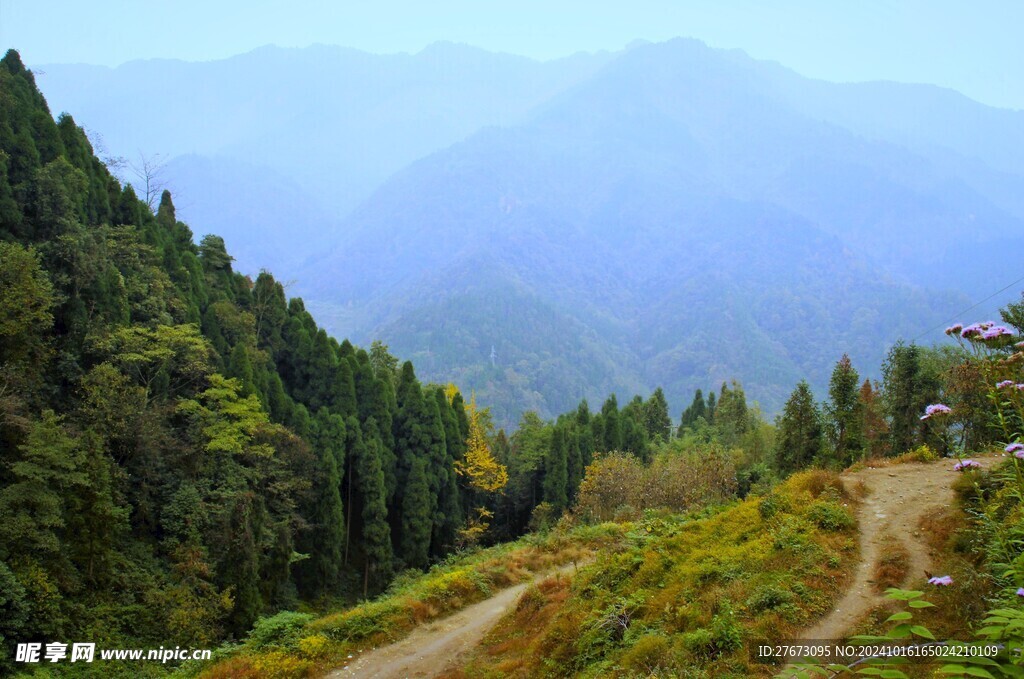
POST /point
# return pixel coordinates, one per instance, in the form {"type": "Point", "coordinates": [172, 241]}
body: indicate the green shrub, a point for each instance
{"type": "Point", "coordinates": [725, 631]}
{"type": "Point", "coordinates": [769, 598]}
{"type": "Point", "coordinates": [700, 642]}
{"type": "Point", "coordinates": [772, 504]}
{"type": "Point", "coordinates": [647, 655]}
{"type": "Point", "coordinates": [831, 516]}
{"type": "Point", "coordinates": [281, 630]}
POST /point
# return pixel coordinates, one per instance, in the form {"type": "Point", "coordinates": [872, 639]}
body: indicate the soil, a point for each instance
{"type": "Point", "coordinates": [435, 647]}
{"type": "Point", "coordinates": [897, 499]}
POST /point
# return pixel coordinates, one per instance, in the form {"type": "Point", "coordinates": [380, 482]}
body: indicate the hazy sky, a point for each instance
{"type": "Point", "coordinates": [974, 47]}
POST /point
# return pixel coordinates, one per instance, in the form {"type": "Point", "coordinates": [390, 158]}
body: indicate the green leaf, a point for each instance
{"type": "Point", "coordinates": [920, 604]}
{"type": "Point", "coordinates": [922, 631]}
{"type": "Point", "coordinates": [902, 615]}
{"type": "Point", "coordinates": [901, 631]}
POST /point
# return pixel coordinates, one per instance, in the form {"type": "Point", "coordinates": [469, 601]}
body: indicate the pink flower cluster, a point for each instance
{"type": "Point", "coordinates": [980, 331]}
{"type": "Point", "coordinates": [943, 580]}
{"type": "Point", "coordinates": [936, 409]}
{"type": "Point", "coordinates": [965, 465]}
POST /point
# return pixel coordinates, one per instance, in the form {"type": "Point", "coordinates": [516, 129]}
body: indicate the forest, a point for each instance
{"type": "Point", "coordinates": [185, 454]}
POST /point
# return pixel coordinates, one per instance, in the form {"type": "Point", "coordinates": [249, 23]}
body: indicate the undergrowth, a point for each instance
{"type": "Point", "coordinates": [687, 593]}
{"type": "Point", "coordinates": [292, 644]}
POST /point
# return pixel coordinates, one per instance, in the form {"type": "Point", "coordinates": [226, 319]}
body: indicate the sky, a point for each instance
{"type": "Point", "coordinates": [973, 47]}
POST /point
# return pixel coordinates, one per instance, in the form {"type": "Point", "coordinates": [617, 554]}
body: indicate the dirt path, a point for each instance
{"type": "Point", "coordinates": [432, 648]}
{"type": "Point", "coordinates": [898, 496]}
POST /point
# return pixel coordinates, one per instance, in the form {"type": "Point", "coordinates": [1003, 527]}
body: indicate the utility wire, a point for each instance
{"type": "Point", "coordinates": [960, 314]}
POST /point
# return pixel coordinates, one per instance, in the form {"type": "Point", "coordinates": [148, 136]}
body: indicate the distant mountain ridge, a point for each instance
{"type": "Point", "coordinates": [670, 214]}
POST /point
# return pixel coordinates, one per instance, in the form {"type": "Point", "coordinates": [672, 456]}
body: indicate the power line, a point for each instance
{"type": "Point", "coordinates": [960, 314]}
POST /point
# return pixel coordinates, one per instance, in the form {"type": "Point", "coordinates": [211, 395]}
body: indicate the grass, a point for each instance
{"type": "Point", "coordinates": [686, 593]}
{"type": "Point", "coordinates": [292, 645]}
{"type": "Point", "coordinates": [894, 566]}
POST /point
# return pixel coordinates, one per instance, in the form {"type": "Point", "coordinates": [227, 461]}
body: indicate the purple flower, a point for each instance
{"type": "Point", "coordinates": [965, 465]}
{"type": "Point", "coordinates": [1004, 384]}
{"type": "Point", "coordinates": [1020, 591]}
{"type": "Point", "coordinates": [936, 409]}
{"type": "Point", "coordinates": [1016, 448]}
{"type": "Point", "coordinates": [944, 580]}
{"type": "Point", "coordinates": [996, 332]}
{"type": "Point", "coordinates": [954, 329]}
{"type": "Point", "coordinates": [971, 330]}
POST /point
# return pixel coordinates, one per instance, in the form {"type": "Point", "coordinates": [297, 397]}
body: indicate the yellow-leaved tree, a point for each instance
{"type": "Point", "coordinates": [482, 472]}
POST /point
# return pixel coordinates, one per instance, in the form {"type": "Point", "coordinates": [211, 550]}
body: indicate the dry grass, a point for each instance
{"type": "Point", "coordinates": [410, 603]}
{"type": "Point", "coordinates": [684, 593]}
{"type": "Point", "coordinates": [894, 566]}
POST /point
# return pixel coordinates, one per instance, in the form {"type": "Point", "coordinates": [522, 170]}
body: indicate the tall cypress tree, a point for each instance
{"type": "Point", "coordinates": [556, 471]}
{"type": "Point", "coordinates": [326, 541]}
{"type": "Point", "coordinates": [695, 410]}
{"type": "Point", "coordinates": [377, 549]}
{"type": "Point", "coordinates": [906, 392]}
{"type": "Point", "coordinates": [798, 434]}
{"type": "Point", "coordinates": [417, 519]}
{"type": "Point", "coordinates": [844, 413]}
{"type": "Point", "coordinates": [611, 427]}
{"type": "Point", "coordinates": [657, 421]}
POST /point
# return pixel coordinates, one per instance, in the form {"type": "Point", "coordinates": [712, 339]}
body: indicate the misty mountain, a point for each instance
{"type": "Point", "coordinates": [693, 226]}
{"type": "Point", "coordinates": [334, 121]}
{"type": "Point", "coordinates": [669, 214]}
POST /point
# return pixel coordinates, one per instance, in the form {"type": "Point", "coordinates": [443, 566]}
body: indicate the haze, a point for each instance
{"type": "Point", "coordinates": [974, 48]}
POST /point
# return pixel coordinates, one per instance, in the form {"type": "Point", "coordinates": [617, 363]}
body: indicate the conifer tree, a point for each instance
{"type": "Point", "coordinates": [845, 419]}
{"type": "Point", "coordinates": [798, 436]}
{"type": "Point", "coordinates": [731, 416]}
{"type": "Point", "coordinates": [556, 473]}
{"type": "Point", "coordinates": [907, 390]}
{"type": "Point", "coordinates": [657, 421]}
{"type": "Point", "coordinates": [611, 426]}
{"type": "Point", "coordinates": [377, 566]}
{"type": "Point", "coordinates": [417, 519]}
{"type": "Point", "coordinates": [326, 541]}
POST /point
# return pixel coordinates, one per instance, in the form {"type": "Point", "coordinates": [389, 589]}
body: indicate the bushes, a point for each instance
{"type": "Point", "coordinates": [831, 516]}
{"type": "Point", "coordinates": [281, 630]}
{"type": "Point", "coordinates": [686, 591]}
{"type": "Point", "coordinates": [648, 655]}
{"type": "Point", "coordinates": [621, 486]}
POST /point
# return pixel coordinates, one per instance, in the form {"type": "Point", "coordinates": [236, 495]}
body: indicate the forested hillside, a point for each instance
{"type": "Point", "coordinates": [183, 448]}
{"type": "Point", "coordinates": [545, 231]}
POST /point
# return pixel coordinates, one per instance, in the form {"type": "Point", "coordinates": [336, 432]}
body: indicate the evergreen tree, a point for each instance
{"type": "Point", "coordinates": [556, 472]}
{"type": "Point", "coordinates": [697, 409]}
{"type": "Point", "coordinates": [844, 416]}
{"type": "Point", "coordinates": [611, 427]}
{"type": "Point", "coordinates": [417, 516]}
{"type": "Point", "coordinates": [376, 532]}
{"type": "Point", "coordinates": [907, 391]}
{"type": "Point", "coordinates": [657, 421]}
{"type": "Point", "coordinates": [731, 417]}
{"type": "Point", "coordinates": [326, 541]}
{"type": "Point", "coordinates": [798, 431]}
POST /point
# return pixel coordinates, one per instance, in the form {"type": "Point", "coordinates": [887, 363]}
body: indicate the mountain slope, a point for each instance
{"type": "Point", "coordinates": [698, 228]}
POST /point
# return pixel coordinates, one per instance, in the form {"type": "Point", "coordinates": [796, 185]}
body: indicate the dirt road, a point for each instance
{"type": "Point", "coordinates": [898, 496]}
{"type": "Point", "coordinates": [432, 648]}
